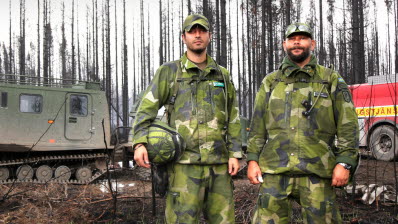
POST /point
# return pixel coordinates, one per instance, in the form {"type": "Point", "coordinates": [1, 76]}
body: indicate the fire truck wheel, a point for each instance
{"type": "Point", "coordinates": [383, 141]}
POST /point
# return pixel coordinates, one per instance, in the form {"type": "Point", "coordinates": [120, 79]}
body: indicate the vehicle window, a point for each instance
{"type": "Point", "coordinates": [30, 103]}
{"type": "Point", "coordinates": [78, 105]}
{"type": "Point", "coordinates": [3, 99]}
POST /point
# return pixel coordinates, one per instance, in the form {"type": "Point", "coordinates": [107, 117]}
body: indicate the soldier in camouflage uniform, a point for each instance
{"type": "Point", "coordinates": [206, 114]}
{"type": "Point", "coordinates": [300, 110]}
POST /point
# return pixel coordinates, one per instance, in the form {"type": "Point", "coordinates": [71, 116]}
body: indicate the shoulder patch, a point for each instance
{"type": "Point", "coordinates": [341, 80]}
{"type": "Point", "coordinates": [347, 96]}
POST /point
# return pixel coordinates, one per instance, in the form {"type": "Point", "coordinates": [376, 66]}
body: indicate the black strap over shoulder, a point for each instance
{"type": "Point", "coordinates": [317, 79]}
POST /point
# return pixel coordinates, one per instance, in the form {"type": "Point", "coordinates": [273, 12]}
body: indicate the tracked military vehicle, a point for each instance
{"type": "Point", "coordinates": [52, 133]}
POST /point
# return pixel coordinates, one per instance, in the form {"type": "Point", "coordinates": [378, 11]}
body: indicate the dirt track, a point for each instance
{"type": "Point", "coordinates": [55, 203]}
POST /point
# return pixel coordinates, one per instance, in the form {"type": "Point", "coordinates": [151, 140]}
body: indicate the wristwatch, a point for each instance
{"type": "Point", "coordinates": [346, 166]}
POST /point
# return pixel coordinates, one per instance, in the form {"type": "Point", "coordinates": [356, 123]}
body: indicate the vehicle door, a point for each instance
{"type": "Point", "coordinates": [78, 116]}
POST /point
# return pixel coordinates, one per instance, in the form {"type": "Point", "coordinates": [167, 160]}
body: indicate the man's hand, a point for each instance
{"type": "Point", "coordinates": [340, 176]}
{"type": "Point", "coordinates": [253, 172]}
{"type": "Point", "coordinates": [141, 156]}
{"type": "Point", "coordinates": [233, 166]}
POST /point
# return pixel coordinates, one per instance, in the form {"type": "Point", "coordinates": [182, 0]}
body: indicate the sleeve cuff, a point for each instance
{"type": "Point", "coordinates": [252, 157]}
{"type": "Point", "coordinates": [141, 140]}
{"type": "Point", "coordinates": [348, 160]}
{"type": "Point", "coordinates": [237, 155]}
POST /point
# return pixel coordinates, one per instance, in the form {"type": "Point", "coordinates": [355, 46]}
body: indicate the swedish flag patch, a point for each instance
{"type": "Point", "coordinates": [341, 80]}
{"type": "Point", "coordinates": [218, 84]}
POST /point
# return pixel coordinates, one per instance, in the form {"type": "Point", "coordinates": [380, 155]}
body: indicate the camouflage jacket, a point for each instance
{"type": "Point", "coordinates": [199, 111]}
{"type": "Point", "coordinates": [283, 140]}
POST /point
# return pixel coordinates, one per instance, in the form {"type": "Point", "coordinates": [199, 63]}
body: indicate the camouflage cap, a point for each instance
{"type": "Point", "coordinates": [295, 28]}
{"type": "Point", "coordinates": [195, 19]}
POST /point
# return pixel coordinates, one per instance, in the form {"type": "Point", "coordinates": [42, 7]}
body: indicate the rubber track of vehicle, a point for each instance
{"type": "Point", "coordinates": [53, 158]}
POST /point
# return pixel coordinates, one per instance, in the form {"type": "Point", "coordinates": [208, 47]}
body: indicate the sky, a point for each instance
{"type": "Point", "coordinates": [133, 26]}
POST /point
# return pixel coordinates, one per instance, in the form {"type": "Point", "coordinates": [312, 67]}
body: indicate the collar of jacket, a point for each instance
{"type": "Point", "coordinates": [188, 64]}
{"type": "Point", "coordinates": [289, 68]}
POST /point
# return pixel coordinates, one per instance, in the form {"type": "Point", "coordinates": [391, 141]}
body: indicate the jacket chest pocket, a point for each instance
{"type": "Point", "coordinates": [279, 106]}
{"type": "Point", "coordinates": [215, 99]}
{"type": "Point", "coordinates": [183, 106]}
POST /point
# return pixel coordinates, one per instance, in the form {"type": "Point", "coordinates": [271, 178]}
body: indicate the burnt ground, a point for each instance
{"type": "Point", "coordinates": [60, 203]}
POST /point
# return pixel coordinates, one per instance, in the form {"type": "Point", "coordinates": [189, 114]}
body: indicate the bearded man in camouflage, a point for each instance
{"type": "Point", "coordinates": [300, 110]}
{"type": "Point", "coordinates": [205, 113]}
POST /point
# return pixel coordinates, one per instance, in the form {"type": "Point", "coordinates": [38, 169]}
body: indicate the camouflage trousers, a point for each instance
{"type": "Point", "coordinates": [315, 195]}
{"type": "Point", "coordinates": [194, 189]}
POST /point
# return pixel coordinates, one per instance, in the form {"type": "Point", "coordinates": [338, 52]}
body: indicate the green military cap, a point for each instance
{"type": "Point", "coordinates": [301, 28]}
{"type": "Point", "coordinates": [194, 19]}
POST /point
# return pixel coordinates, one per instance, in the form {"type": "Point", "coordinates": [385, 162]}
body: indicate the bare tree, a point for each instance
{"type": "Point", "coordinates": [160, 33]}
{"type": "Point", "coordinates": [270, 21]}
{"type": "Point", "coordinates": [62, 49]}
{"type": "Point", "coordinates": [332, 49]}
{"type": "Point", "coordinates": [1, 62]}
{"type": "Point", "coordinates": [125, 72]}
{"type": "Point", "coordinates": [11, 54]}
{"type": "Point", "coordinates": [108, 82]}
{"type": "Point", "coordinates": [357, 42]}
{"type": "Point", "coordinates": [73, 41]}
{"type": "Point", "coordinates": [189, 7]}
{"type": "Point", "coordinates": [396, 37]}
{"type": "Point", "coordinates": [143, 66]}
{"type": "Point", "coordinates": [389, 8]}
{"type": "Point", "coordinates": [78, 44]}
{"type": "Point", "coordinates": [6, 60]}
{"type": "Point", "coordinates": [22, 41]}
{"type": "Point", "coordinates": [249, 56]}
{"type": "Point", "coordinates": [96, 66]}
{"type": "Point", "coordinates": [38, 42]}
{"type": "Point", "coordinates": [223, 34]}
{"type": "Point", "coordinates": [47, 43]}
{"type": "Point", "coordinates": [238, 55]}
{"type": "Point", "coordinates": [321, 55]}
{"type": "Point", "coordinates": [116, 70]}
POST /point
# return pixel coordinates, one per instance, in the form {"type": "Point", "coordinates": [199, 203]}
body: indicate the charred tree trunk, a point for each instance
{"type": "Point", "coordinates": [358, 54]}
{"type": "Point", "coordinates": [249, 52]}
{"type": "Point", "coordinates": [11, 54]}
{"type": "Point", "coordinates": [78, 44]}
{"type": "Point", "coordinates": [22, 42]}
{"type": "Point", "coordinates": [143, 56]}
{"type": "Point", "coordinates": [116, 71]}
{"type": "Point", "coordinates": [321, 56]}
{"type": "Point", "coordinates": [244, 94]}
{"type": "Point", "coordinates": [88, 71]}
{"type": "Point", "coordinates": [396, 37]}
{"type": "Point", "coordinates": [73, 70]}
{"type": "Point", "coordinates": [38, 42]}
{"type": "Point", "coordinates": [96, 66]}
{"type": "Point", "coordinates": [238, 55]}
{"type": "Point", "coordinates": [149, 53]}
{"type": "Point", "coordinates": [270, 36]}
{"type": "Point", "coordinates": [108, 58]}
{"type": "Point", "coordinates": [189, 7]}
{"type": "Point", "coordinates": [62, 49]}
{"type": "Point", "coordinates": [160, 34]}
{"type": "Point", "coordinates": [125, 72]}
{"type": "Point", "coordinates": [92, 67]}
{"type": "Point", "coordinates": [223, 47]}
{"type": "Point", "coordinates": [217, 32]}
{"type": "Point", "coordinates": [332, 49]}
{"type": "Point", "coordinates": [46, 44]}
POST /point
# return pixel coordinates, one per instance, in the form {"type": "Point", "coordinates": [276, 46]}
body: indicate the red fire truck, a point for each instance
{"type": "Point", "coordinates": [376, 105]}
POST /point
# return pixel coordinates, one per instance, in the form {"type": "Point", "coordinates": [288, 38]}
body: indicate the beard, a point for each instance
{"type": "Point", "coordinates": [301, 57]}
{"type": "Point", "coordinates": [198, 50]}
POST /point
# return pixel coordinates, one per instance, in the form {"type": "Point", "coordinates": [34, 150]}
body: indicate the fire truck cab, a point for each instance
{"type": "Point", "coordinates": [376, 107]}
